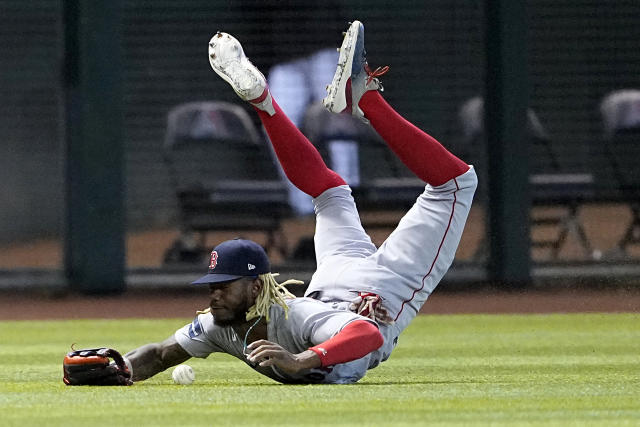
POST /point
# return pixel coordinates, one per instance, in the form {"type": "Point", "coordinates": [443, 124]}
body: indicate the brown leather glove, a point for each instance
{"type": "Point", "coordinates": [93, 367]}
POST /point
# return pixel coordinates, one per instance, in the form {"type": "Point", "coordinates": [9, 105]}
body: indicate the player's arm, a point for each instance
{"type": "Point", "coordinates": [354, 341]}
{"type": "Point", "coordinates": [150, 359]}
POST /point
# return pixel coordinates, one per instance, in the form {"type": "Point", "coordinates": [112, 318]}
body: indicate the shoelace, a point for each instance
{"type": "Point", "coordinates": [375, 73]}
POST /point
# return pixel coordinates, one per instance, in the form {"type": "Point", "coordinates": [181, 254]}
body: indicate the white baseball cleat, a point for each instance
{"type": "Point", "coordinates": [353, 76]}
{"type": "Point", "coordinates": [229, 61]}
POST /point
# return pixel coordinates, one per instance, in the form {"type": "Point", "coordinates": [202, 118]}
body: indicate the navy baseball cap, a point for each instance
{"type": "Point", "coordinates": [234, 259]}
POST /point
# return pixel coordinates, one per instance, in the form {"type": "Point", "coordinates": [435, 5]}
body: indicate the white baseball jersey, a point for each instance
{"type": "Point", "coordinates": [403, 272]}
{"type": "Point", "coordinates": [309, 322]}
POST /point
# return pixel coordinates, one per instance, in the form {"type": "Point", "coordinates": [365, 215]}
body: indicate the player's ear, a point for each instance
{"type": "Point", "coordinates": [256, 287]}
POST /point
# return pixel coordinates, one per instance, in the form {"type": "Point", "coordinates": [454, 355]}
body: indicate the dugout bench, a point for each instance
{"type": "Point", "coordinates": [224, 178]}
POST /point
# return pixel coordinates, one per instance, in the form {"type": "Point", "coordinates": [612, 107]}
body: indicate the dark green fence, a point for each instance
{"type": "Point", "coordinates": [579, 50]}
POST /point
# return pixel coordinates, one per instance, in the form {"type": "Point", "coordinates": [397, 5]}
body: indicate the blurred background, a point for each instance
{"type": "Point", "coordinates": [111, 114]}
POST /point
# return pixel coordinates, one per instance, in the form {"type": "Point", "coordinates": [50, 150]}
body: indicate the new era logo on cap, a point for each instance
{"type": "Point", "coordinates": [234, 259]}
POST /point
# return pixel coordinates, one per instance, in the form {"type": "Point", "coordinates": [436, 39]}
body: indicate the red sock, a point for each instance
{"type": "Point", "coordinates": [300, 160]}
{"type": "Point", "coordinates": [421, 153]}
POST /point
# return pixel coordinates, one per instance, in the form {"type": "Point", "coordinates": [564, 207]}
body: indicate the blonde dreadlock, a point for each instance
{"type": "Point", "coordinates": [272, 293]}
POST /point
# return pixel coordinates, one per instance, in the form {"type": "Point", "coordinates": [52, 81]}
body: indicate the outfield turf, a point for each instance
{"type": "Point", "coordinates": [578, 369]}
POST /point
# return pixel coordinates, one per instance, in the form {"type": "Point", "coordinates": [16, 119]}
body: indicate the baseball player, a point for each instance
{"type": "Point", "coordinates": [361, 297]}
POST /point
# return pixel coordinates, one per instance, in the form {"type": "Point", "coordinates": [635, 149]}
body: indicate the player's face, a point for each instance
{"type": "Point", "coordinates": [230, 301]}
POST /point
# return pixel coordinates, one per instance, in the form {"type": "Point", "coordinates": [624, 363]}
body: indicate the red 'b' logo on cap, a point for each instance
{"type": "Point", "coordinates": [214, 260]}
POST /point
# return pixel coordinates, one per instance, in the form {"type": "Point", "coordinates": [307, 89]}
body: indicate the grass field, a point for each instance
{"type": "Point", "coordinates": [447, 370]}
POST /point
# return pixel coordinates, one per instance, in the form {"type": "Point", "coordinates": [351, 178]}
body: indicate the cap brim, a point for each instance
{"type": "Point", "coordinates": [215, 278]}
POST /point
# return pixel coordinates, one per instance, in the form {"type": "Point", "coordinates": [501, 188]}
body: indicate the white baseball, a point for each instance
{"type": "Point", "coordinates": [183, 374]}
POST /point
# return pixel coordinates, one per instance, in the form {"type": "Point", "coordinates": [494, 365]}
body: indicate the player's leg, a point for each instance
{"type": "Point", "coordinates": [297, 84]}
{"type": "Point", "coordinates": [288, 84]}
{"type": "Point", "coordinates": [338, 224]}
{"type": "Point", "coordinates": [355, 89]}
{"type": "Point", "coordinates": [342, 152]}
{"type": "Point", "coordinates": [300, 160]}
{"type": "Point", "coordinates": [421, 249]}
{"type": "Point", "coordinates": [420, 152]}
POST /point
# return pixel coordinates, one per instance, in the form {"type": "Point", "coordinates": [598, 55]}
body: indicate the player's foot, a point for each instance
{"type": "Point", "coordinates": [229, 61]}
{"type": "Point", "coordinates": [353, 76]}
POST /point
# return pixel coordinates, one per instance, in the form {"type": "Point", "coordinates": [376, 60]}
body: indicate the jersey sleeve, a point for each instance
{"type": "Point", "coordinates": [198, 337]}
{"type": "Point", "coordinates": [354, 341]}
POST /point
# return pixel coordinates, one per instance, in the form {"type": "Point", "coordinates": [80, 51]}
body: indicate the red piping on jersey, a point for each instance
{"type": "Point", "coordinates": [453, 209]}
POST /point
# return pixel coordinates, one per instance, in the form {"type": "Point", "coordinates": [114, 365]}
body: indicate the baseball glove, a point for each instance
{"type": "Point", "coordinates": [92, 367]}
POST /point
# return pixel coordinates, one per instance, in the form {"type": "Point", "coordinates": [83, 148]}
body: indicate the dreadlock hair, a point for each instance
{"type": "Point", "coordinates": [272, 293]}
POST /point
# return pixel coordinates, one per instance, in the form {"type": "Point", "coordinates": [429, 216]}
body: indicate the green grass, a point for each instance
{"type": "Point", "coordinates": [447, 370]}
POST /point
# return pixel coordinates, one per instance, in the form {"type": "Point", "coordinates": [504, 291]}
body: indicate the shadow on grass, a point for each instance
{"type": "Point", "coordinates": [418, 382]}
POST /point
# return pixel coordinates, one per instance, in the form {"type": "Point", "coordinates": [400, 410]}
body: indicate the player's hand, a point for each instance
{"type": "Point", "coordinates": [267, 353]}
{"type": "Point", "coordinates": [370, 305]}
